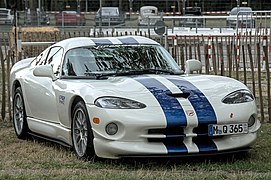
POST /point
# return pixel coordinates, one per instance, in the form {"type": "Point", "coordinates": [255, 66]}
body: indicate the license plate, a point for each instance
{"type": "Point", "coordinates": [227, 129]}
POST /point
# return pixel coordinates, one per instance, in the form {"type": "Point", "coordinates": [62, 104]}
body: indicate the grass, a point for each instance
{"type": "Point", "coordinates": [38, 159]}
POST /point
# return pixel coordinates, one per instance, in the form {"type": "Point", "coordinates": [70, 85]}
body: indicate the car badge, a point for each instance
{"type": "Point", "coordinates": [61, 99]}
{"type": "Point", "coordinates": [190, 112]}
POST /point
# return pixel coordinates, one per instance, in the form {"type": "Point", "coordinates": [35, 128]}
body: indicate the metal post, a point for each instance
{"type": "Point", "coordinates": [130, 8]}
{"type": "Point", "coordinates": [86, 5]}
{"type": "Point", "coordinates": [38, 13]}
{"type": "Point", "coordinates": [184, 7]}
{"type": "Point", "coordinates": [100, 17]}
{"type": "Point", "coordinates": [62, 21]}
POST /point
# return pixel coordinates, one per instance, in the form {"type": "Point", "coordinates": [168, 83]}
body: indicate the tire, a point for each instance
{"type": "Point", "coordinates": [82, 135]}
{"type": "Point", "coordinates": [19, 115]}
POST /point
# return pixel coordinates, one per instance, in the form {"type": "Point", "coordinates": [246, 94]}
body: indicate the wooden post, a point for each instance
{"type": "Point", "coordinates": [214, 57]}
{"type": "Point", "coordinates": [265, 50]}
{"type": "Point", "coordinates": [260, 81]}
{"type": "Point", "coordinates": [3, 107]}
{"type": "Point", "coordinates": [229, 55]}
{"type": "Point", "coordinates": [252, 68]}
{"type": "Point", "coordinates": [244, 64]}
{"type": "Point", "coordinates": [220, 48]}
{"type": "Point", "coordinates": [182, 58]}
{"type": "Point", "coordinates": [190, 48]}
{"type": "Point", "coordinates": [8, 85]}
{"type": "Point", "coordinates": [199, 51]}
{"type": "Point", "coordinates": [206, 58]}
{"type": "Point", "coordinates": [185, 48]}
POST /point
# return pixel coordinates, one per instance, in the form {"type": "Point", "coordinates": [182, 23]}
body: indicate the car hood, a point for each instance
{"type": "Point", "coordinates": [148, 88]}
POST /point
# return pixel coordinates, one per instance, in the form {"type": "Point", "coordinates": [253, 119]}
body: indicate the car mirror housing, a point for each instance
{"type": "Point", "coordinates": [192, 65]}
{"type": "Point", "coordinates": [44, 71]}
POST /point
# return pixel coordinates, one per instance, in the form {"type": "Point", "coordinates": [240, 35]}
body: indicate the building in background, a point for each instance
{"type": "Point", "coordinates": [134, 5]}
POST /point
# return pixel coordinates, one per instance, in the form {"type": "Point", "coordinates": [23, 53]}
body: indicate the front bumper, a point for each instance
{"type": "Point", "coordinates": [144, 133]}
{"type": "Point", "coordinates": [117, 149]}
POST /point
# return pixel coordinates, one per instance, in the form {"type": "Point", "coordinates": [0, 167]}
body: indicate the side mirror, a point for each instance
{"type": "Point", "coordinates": [44, 71]}
{"type": "Point", "coordinates": [192, 65]}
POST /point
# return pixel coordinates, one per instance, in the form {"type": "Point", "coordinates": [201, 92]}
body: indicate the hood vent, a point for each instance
{"type": "Point", "coordinates": [179, 95]}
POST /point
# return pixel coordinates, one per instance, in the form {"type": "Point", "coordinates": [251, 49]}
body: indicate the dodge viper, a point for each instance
{"type": "Point", "coordinates": [126, 97]}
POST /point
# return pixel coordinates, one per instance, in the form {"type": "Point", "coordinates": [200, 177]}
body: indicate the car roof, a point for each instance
{"type": "Point", "coordinates": [89, 41]}
{"type": "Point", "coordinates": [110, 8]}
{"type": "Point", "coordinates": [242, 8]}
{"type": "Point", "coordinates": [148, 7]}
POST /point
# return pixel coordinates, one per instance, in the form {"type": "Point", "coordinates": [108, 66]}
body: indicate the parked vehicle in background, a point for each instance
{"type": "Point", "coordinates": [6, 16]}
{"type": "Point", "coordinates": [245, 17]}
{"type": "Point", "coordinates": [191, 17]}
{"type": "Point", "coordinates": [110, 16]}
{"type": "Point", "coordinates": [70, 18]}
{"type": "Point", "coordinates": [148, 15]}
{"type": "Point", "coordinates": [35, 18]}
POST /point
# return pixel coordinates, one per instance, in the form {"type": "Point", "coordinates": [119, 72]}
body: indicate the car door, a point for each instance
{"type": "Point", "coordinates": [39, 91]}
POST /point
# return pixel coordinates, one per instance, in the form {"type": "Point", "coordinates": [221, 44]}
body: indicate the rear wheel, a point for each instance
{"type": "Point", "coordinates": [19, 115]}
{"type": "Point", "coordinates": [82, 136]}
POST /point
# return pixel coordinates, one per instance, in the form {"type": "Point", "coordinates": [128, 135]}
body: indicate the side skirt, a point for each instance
{"type": "Point", "coordinates": [48, 130]}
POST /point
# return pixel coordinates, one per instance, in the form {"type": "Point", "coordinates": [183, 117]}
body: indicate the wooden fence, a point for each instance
{"type": "Point", "coordinates": [244, 57]}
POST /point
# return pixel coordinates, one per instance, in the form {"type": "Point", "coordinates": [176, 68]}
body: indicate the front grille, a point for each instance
{"type": "Point", "coordinates": [201, 130]}
{"type": "Point", "coordinates": [175, 135]}
{"type": "Point", "coordinates": [171, 134]}
{"type": "Point", "coordinates": [3, 16]}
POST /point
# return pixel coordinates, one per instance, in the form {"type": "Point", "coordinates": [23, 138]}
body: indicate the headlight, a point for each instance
{"type": "Point", "coordinates": [240, 96]}
{"type": "Point", "coordinates": [118, 103]}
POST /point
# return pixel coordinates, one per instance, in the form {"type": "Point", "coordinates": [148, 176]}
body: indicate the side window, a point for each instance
{"type": "Point", "coordinates": [54, 58]}
{"type": "Point", "coordinates": [40, 60]}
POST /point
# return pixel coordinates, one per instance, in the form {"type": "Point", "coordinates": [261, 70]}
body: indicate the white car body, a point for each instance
{"type": "Point", "coordinates": [148, 16]}
{"type": "Point", "coordinates": [6, 17]}
{"type": "Point", "coordinates": [241, 17]}
{"type": "Point", "coordinates": [170, 124]}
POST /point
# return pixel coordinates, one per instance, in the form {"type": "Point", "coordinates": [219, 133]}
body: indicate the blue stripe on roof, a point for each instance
{"type": "Point", "coordinates": [128, 40]}
{"type": "Point", "coordinates": [102, 41]}
{"type": "Point", "coordinates": [203, 108]}
{"type": "Point", "coordinates": [173, 111]}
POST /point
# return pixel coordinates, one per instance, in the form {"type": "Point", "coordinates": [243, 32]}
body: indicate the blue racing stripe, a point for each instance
{"type": "Point", "coordinates": [102, 41]}
{"type": "Point", "coordinates": [176, 148]}
{"type": "Point", "coordinates": [128, 40]}
{"type": "Point", "coordinates": [173, 111]}
{"type": "Point", "coordinates": [205, 144]}
{"type": "Point", "coordinates": [204, 110]}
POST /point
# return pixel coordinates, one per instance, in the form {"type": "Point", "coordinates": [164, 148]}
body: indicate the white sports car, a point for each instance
{"type": "Point", "coordinates": [126, 97]}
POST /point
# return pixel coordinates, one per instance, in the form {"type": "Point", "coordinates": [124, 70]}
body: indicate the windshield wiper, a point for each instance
{"type": "Point", "coordinates": [162, 71]}
{"type": "Point", "coordinates": [131, 72]}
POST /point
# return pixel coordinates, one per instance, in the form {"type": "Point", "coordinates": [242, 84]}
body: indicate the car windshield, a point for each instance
{"type": "Point", "coordinates": [149, 11]}
{"type": "Point", "coordinates": [114, 60]}
{"type": "Point", "coordinates": [110, 11]}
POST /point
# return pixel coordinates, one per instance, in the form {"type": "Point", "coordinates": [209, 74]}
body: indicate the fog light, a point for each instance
{"type": "Point", "coordinates": [111, 128]}
{"type": "Point", "coordinates": [251, 121]}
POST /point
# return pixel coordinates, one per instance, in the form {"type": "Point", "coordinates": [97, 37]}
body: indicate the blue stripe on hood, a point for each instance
{"type": "Point", "coordinates": [173, 111]}
{"type": "Point", "coordinates": [203, 108]}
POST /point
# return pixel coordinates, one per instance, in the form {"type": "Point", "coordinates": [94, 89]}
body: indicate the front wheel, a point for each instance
{"type": "Point", "coordinates": [82, 136]}
{"type": "Point", "coordinates": [19, 115]}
